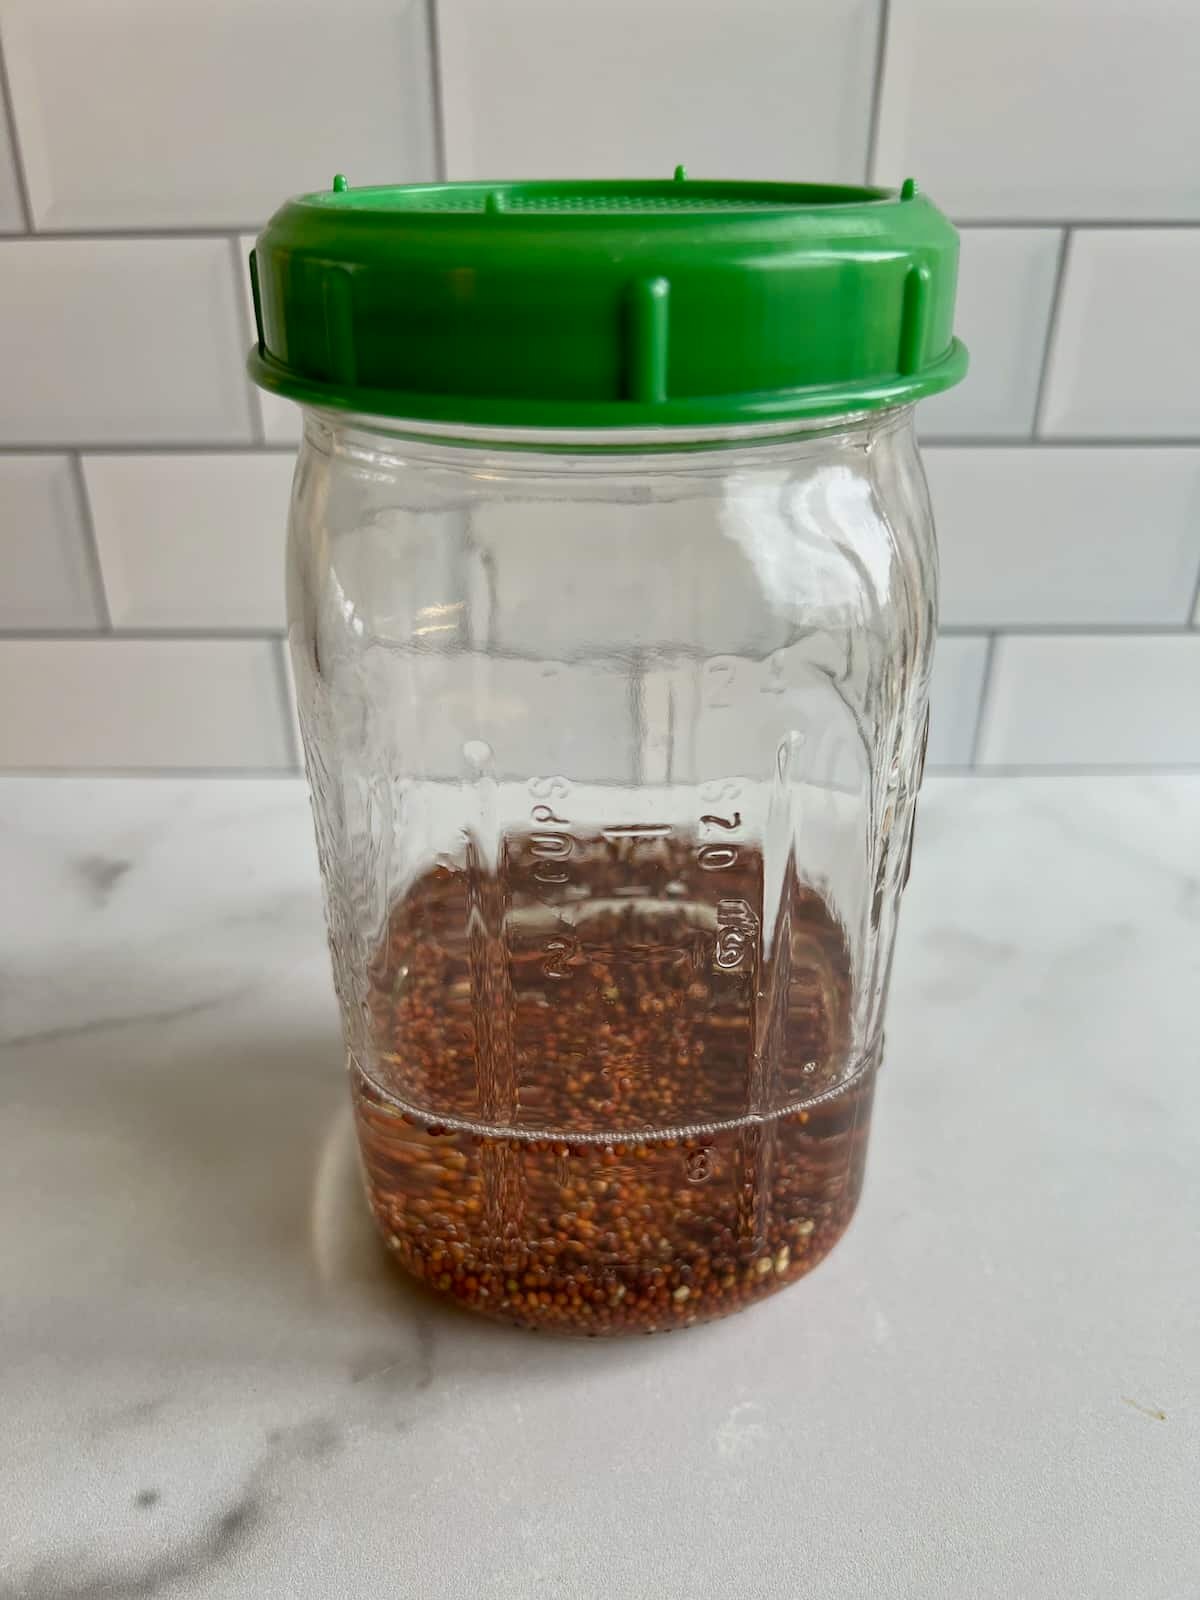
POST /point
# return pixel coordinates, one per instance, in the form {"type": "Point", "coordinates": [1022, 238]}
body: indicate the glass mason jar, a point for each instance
{"type": "Point", "coordinates": [614, 734]}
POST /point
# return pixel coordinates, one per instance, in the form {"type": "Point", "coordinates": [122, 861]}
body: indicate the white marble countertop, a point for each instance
{"type": "Point", "coordinates": [212, 1384]}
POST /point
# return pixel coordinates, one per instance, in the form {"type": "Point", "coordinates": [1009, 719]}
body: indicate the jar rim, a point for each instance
{"type": "Point", "coordinates": [601, 442]}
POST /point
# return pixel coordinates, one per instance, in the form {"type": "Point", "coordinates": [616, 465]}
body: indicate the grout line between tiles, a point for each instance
{"type": "Point", "coordinates": [1069, 770]}
{"type": "Point", "coordinates": [164, 234]}
{"type": "Point", "coordinates": [257, 422]}
{"type": "Point", "coordinates": [1023, 227]}
{"type": "Point", "coordinates": [119, 635]}
{"type": "Point", "coordinates": [158, 447]}
{"type": "Point", "coordinates": [9, 110]}
{"type": "Point", "coordinates": [1068, 630]}
{"type": "Point", "coordinates": [1055, 441]}
{"type": "Point", "coordinates": [248, 773]}
{"type": "Point", "coordinates": [1056, 295]}
{"type": "Point", "coordinates": [881, 44]}
{"type": "Point", "coordinates": [1097, 224]}
{"type": "Point", "coordinates": [1063, 769]}
{"type": "Point", "coordinates": [435, 72]}
{"type": "Point", "coordinates": [985, 690]}
{"type": "Point", "coordinates": [91, 544]}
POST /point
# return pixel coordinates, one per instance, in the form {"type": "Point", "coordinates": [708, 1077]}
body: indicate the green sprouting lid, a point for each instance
{"type": "Point", "coordinates": [673, 303]}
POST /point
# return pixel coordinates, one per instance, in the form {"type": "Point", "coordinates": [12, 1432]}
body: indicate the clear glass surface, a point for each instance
{"type": "Point", "coordinates": [614, 747]}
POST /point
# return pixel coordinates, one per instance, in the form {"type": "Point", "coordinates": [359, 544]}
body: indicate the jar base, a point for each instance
{"type": "Point", "coordinates": [561, 1306]}
{"type": "Point", "coordinates": [614, 1238]}
{"type": "Point", "coordinates": [638, 1123]}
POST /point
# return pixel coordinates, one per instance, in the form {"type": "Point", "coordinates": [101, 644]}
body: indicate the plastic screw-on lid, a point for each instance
{"type": "Point", "coordinates": [606, 304]}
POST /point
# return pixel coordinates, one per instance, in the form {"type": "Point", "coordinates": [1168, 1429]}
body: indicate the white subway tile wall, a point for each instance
{"type": "Point", "coordinates": [1124, 700]}
{"type": "Point", "coordinates": [604, 88]}
{"type": "Point", "coordinates": [959, 670]}
{"type": "Point", "coordinates": [279, 418]}
{"type": "Point", "coordinates": [12, 217]}
{"type": "Point", "coordinates": [117, 704]}
{"type": "Point", "coordinates": [136, 115]}
{"type": "Point", "coordinates": [191, 541]}
{"type": "Point", "coordinates": [1122, 364]}
{"type": "Point", "coordinates": [1006, 279]}
{"type": "Point", "coordinates": [1070, 536]}
{"type": "Point", "coordinates": [49, 575]}
{"type": "Point", "coordinates": [121, 341]}
{"type": "Point", "coordinates": [1045, 110]}
{"type": "Point", "coordinates": [144, 484]}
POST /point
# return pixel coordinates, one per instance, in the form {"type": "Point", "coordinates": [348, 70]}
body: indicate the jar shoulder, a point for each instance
{"type": "Point", "coordinates": [732, 553]}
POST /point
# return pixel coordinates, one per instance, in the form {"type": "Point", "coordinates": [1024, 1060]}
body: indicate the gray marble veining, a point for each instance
{"type": "Point", "coordinates": [212, 1384]}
